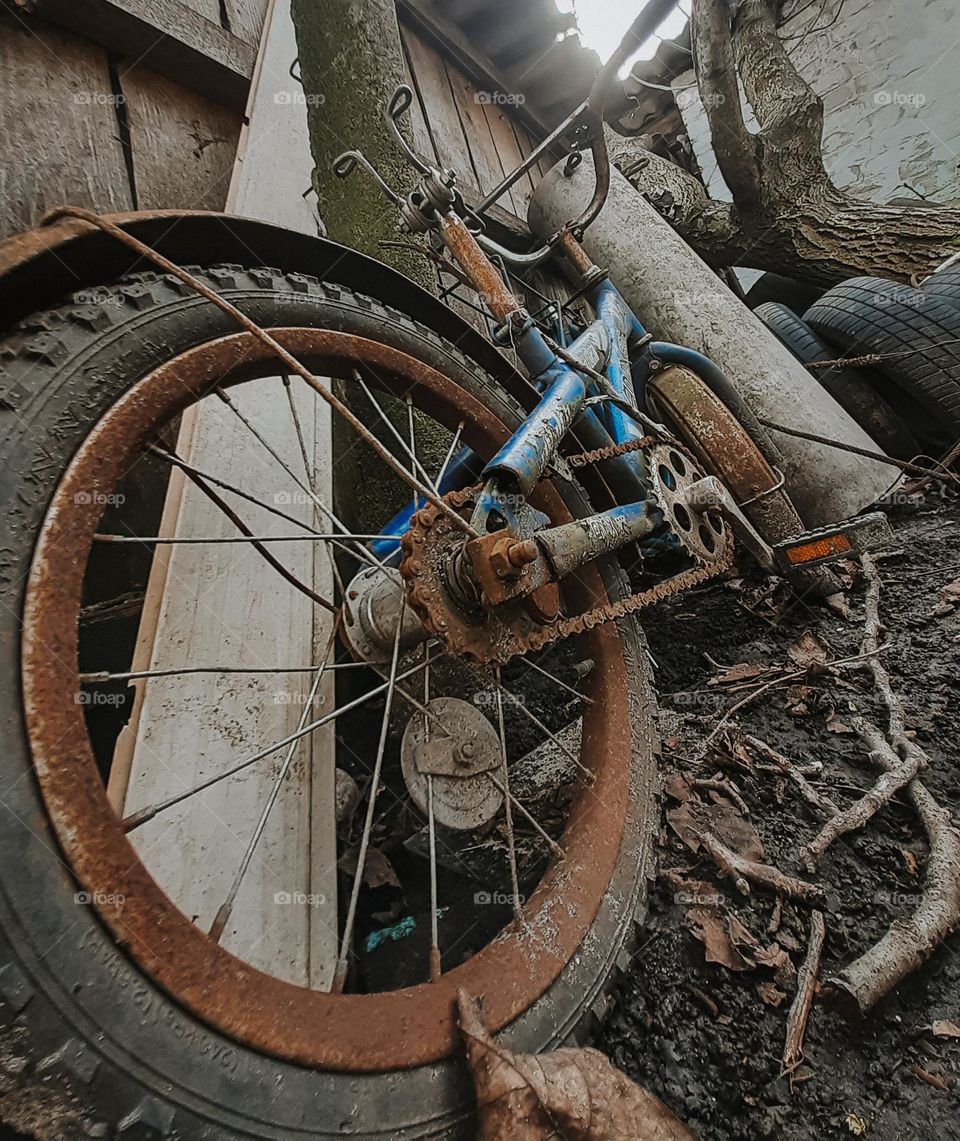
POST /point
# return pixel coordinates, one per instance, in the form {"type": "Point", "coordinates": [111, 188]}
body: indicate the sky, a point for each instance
{"type": "Point", "coordinates": [603, 23]}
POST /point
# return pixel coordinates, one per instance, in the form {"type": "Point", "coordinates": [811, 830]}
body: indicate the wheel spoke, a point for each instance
{"type": "Point", "coordinates": [223, 914]}
{"type": "Point", "coordinates": [340, 973]}
{"type": "Point", "coordinates": [507, 811]}
{"type": "Point", "coordinates": [218, 501]}
{"type": "Point", "coordinates": [302, 484]}
{"type": "Point", "coordinates": [393, 430]}
{"type": "Point", "coordinates": [188, 469]}
{"type": "Point", "coordinates": [179, 671]}
{"type": "Point", "coordinates": [449, 456]}
{"type": "Point", "coordinates": [141, 816]}
{"type": "Point", "coordinates": [314, 537]}
{"type": "Point", "coordinates": [563, 685]}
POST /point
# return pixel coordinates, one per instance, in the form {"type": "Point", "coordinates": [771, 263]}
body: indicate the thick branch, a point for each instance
{"type": "Point", "coordinates": [789, 112]}
{"type": "Point", "coordinates": [733, 144]}
{"type": "Point", "coordinates": [707, 225]}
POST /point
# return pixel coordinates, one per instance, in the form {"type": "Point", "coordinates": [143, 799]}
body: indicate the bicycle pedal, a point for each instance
{"type": "Point", "coordinates": [837, 541]}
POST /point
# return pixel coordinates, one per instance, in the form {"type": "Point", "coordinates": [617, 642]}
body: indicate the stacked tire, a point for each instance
{"type": "Point", "coordinates": [908, 397]}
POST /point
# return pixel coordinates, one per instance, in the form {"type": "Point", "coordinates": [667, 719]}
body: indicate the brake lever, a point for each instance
{"type": "Point", "coordinates": [344, 165]}
{"type": "Point", "coordinates": [399, 105]}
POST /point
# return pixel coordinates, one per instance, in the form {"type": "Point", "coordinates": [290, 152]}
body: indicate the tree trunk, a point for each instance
{"type": "Point", "coordinates": [351, 61]}
{"type": "Point", "coordinates": [786, 216]}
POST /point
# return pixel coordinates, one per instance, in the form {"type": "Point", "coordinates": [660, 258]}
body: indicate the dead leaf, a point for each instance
{"type": "Point", "coordinates": [836, 725]}
{"type": "Point", "coordinates": [678, 786]}
{"type": "Point", "coordinates": [944, 1028]}
{"type": "Point", "coordinates": [742, 671]}
{"type": "Point", "coordinates": [574, 1093]}
{"type": "Point", "coordinates": [777, 959]}
{"type": "Point", "coordinates": [692, 818]}
{"type": "Point", "coordinates": [856, 1124]}
{"type": "Point", "coordinates": [725, 939]}
{"type": "Point", "coordinates": [910, 860]}
{"type": "Point", "coordinates": [949, 599]}
{"type": "Point", "coordinates": [771, 994]}
{"type": "Point", "coordinates": [808, 652]}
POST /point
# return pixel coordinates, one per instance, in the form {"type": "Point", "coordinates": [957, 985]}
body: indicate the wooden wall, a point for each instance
{"type": "Point", "coordinates": [463, 127]}
{"type": "Point", "coordinates": [83, 123]}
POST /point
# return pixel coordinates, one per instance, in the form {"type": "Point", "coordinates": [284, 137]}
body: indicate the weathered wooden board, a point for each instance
{"type": "Point", "coordinates": [246, 18]}
{"type": "Point", "coordinates": [475, 132]}
{"type": "Point", "coordinates": [185, 41]}
{"type": "Point", "coordinates": [59, 141]}
{"type": "Point", "coordinates": [183, 145]}
{"type": "Point", "coordinates": [445, 127]}
{"type": "Point", "coordinates": [224, 605]}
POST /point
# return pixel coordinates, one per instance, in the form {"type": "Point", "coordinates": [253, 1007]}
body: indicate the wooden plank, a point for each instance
{"type": "Point", "coordinates": [183, 144]}
{"type": "Point", "coordinates": [59, 141]}
{"type": "Point", "coordinates": [510, 155]}
{"type": "Point", "coordinates": [226, 605]}
{"type": "Point", "coordinates": [222, 604]}
{"type": "Point", "coordinates": [423, 141]}
{"type": "Point", "coordinates": [169, 36]}
{"type": "Point", "coordinates": [445, 127]}
{"type": "Point", "coordinates": [246, 18]}
{"type": "Point", "coordinates": [470, 104]}
{"type": "Point", "coordinates": [432, 27]}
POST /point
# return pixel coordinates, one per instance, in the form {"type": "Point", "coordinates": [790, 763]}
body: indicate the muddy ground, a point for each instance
{"type": "Point", "coordinates": [709, 1038]}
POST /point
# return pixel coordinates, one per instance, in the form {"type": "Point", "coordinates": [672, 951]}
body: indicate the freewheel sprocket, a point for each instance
{"type": "Point", "coordinates": [431, 547]}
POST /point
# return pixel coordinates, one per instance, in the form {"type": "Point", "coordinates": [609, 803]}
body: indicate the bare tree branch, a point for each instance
{"type": "Point", "coordinates": [733, 144]}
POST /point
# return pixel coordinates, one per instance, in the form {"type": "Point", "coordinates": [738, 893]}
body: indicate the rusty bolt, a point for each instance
{"type": "Point", "coordinates": [508, 556]}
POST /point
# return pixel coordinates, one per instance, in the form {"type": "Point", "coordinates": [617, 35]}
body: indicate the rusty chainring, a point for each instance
{"type": "Point", "coordinates": [508, 631]}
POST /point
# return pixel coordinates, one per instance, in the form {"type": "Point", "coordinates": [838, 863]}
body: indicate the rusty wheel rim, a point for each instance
{"type": "Point", "coordinates": [350, 1032]}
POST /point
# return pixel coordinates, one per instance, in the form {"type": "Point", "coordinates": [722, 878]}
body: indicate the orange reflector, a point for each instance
{"type": "Point", "coordinates": [819, 549]}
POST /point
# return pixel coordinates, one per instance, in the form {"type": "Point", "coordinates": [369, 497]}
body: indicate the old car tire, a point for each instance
{"type": "Point", "coordinates": [855, 390]}
{"type": "Point", "coordinates": [917, 338]}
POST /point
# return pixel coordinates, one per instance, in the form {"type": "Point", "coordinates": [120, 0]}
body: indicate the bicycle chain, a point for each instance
{"type": "Point", "coordinates": [563, 627]}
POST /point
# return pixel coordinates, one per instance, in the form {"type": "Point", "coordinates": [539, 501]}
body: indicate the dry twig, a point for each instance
{"type": "Point", "coordinates": [741, 871]}
{"type": "Point", "coordinates": [803, 999]}
{"type": "Point", "coordinates": [897, 773]}
{"type": "Point", "coordinates": [818, 800]}
{"type": "Point", "coordinates": [911, 941]}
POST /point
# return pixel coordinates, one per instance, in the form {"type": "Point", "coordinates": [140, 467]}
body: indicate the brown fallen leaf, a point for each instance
{"type": "Point", "coordinates": [777, 959]}
{"type": "Point", "coordinates": [836, 725]}
{"type": "Point", "coordinates": [949, 600]}
{"type": "Point", "coordinates": [693, 817]}
{"type": "Point", "coordinates": [576, 1094]}
{"type": "Point", "coordinates": [742, 671]}
{"type": "Point", "coordinates": [718, 936]}
{"type": "Point", "coordinates": [808, 652]}
{"type": "Point", "coordinates": [771, 994]}
{"type": "Point", "coordinates": [944, 1028]}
